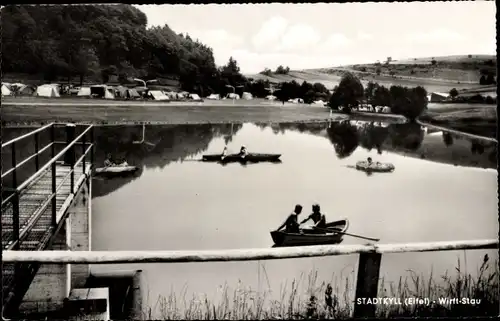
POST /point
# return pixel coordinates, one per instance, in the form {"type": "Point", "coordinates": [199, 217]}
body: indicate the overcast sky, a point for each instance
{"type": "Point", "coordinates": [324, 35]}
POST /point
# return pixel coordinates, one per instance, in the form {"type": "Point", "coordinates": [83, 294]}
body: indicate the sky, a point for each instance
{"type": "Point", "coordinates": [306, 36]}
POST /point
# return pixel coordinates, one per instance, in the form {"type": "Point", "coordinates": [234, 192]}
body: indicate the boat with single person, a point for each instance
{"type": "Point", "coordinates": [250, 157]}
{"type": "Point", "coordinates": [377, 167]}
{"type": "Point", "coordinates": [332, 234]}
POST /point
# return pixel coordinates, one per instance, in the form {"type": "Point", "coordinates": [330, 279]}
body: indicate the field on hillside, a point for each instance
{"type": "Point", "coordinates": [460, 72]}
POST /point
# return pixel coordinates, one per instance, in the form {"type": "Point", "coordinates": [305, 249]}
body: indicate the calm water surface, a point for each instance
{"type": "Point", "coordinates": [444, 188]}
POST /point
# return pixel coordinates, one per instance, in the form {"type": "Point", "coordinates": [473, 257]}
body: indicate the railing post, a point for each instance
{"type": "Point", "coordinates": [54, 195]}
{"type": "Point", "coordinates": [37, 164]}
{"type": "Point", "coordinates": [69, 156]}
{"type": "Point", "coordinates": [15, 220]}
{"type": "Point", "coordinates": [93, 147]}
{"type": "Point", "coordinates": [13, 158]}
{"type": "Point", "coordinates": [52, 140]}
{"type": "Point", "coordinates": [83, 153]}
{"type": "Point", "coordinates": [367, 284]}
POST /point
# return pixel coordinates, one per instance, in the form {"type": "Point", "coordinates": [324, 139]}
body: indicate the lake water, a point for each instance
{"type": "Point", "coordinates": [444, 188]}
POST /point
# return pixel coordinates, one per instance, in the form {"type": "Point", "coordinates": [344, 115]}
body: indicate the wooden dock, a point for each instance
{"type": "Point", "coordinates": [35, 210]}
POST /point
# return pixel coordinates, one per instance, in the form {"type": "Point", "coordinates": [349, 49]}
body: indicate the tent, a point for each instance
{"type": "Point", "coordinates": [26, 90]}
{"type": "Point", "coordinates": [157, 95]}
{"type": "Point", "coordinates": [6, 91]}
{"type": "Point", "coordinates": [47, 91]}
{"type": "Point", "coordinates": [84, 92]}
{"type": "Point", "coordinates": [270, 97]}
{"type": "Point", "coordinates": [233, 96]}
{"type": "Point", "coordinates": [296, 101]}
{"type": "Point", "coordinates": [246, 96]}
{"type": "Point", "coordinates": [194, 97]}
{"type": "Point", "coordinates": [132, 94]}
{"type": "Point", "coordinates": [386, 110]}
{"type": "Point", "coordinates": [319, 102]}
{"type": "Point", "coordinates": [102, 91]}
{"type": "Point", "coordinates": [214, 97]}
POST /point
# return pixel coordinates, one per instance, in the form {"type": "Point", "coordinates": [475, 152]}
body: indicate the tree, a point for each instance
{"type": "Point", "coordinates": [454, 93]}
{"type": "Point", "coordinates": [348, 92]}
{"type": "Point", "coordinates": [482, 80]}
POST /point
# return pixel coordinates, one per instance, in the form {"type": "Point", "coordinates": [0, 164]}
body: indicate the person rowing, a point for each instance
{"type": "Point", "coordinates": [316, 216]}
{"type": "Point", "coordinates": [292, 223]}
{"type": "Point", "coordinates": [224, 153]}
{"type": "Point", "coordinates": [370, 162]}
{"type": "Point", "coordinates": [243, 152]}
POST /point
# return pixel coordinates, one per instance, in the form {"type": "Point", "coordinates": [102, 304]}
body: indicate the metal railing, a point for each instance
{"type": "Point", "coordinates": [67, 152]}
{"type": "Point", "coordinates": [27, 222]}
{"type": "Point", "coordinates": [368, 268]}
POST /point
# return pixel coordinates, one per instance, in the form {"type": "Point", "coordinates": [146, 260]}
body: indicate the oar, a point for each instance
{"type": "Point", "coordinates": [339, 232]}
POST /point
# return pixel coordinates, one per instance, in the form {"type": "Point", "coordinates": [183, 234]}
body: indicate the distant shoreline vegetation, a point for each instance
{"type": "Point", "coordinates": [350, 94]}
{"type": "Point", "coordinates": [111, 44]}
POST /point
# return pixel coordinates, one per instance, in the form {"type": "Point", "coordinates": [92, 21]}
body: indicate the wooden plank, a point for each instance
{"type": "Point", "coordinates": [105, 257]}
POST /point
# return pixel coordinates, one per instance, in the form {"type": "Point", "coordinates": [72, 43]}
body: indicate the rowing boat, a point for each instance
{"type": "Point", "coordinates": [312, 236]}
{"type": "Point", "coordinates": [251, 157]}
{"type": "Point", "coordinates": [116, 170]}
{"type": "Point", "coordinates": [375, 167]}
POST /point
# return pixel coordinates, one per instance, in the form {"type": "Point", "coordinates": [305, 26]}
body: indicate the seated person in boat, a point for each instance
{"type": "Point", "coordinates": [224, 152]}
{"type": "Point", "coordinates": [370, 161]}
{"type": "Point", "coordinates": [109, 162]}
{"type": "Point", "coordinates": [316, 216]}
{"type": "Point", "coordinates": [243, 151]}
{"type": "Point", "coordinates": [292, 223]}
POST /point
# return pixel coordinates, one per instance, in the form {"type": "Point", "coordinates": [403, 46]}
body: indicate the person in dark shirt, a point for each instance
{"type": "Point", "coordinates": [317, 217]}
{"type": "Point", "coordinates": [292, 222]}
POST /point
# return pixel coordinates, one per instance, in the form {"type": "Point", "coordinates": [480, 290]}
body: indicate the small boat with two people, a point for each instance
{"type": "Point", "coordinates": [111, 168]}
{"type": "Point", "coordinates": [243, 156]}
{"type": "Point", "coordinates": [321, 233]}
{"type": "Point", "coordinates": [370, 166]}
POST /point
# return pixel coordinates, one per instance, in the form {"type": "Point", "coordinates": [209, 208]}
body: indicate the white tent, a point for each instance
{"type": "Point", "coordinates": [296, 101]}
{"type": "Point", "coordinates": [233, 96]}
{"type": "Point", "coordinates": [214, 97]}
{"type": "Point", "coordinates": [6, 91]}
{"type": "Point", "coordinates": [319, 102]}
{"type": "Point", "coordinates": [270, 97]}
{"type": "Point", "coordinates": [195, 97]}
{"type": "Point", "coordinates": [247, 96]}
{"type": "Point", "coordinates": [157, 95]}
{"type": "Point", "coordinates": [47, 91]}
{"type": "Point", "coordinates": [386, 110]}
{"type": "Point", "coordinates": [84, 92]}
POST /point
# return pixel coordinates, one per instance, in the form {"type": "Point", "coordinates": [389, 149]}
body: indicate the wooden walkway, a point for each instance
{"type": "Point", "coordinates": [35, 209]}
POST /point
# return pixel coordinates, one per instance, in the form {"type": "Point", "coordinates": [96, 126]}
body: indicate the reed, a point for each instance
{"type": "Point", "coordinates": [312, 299]}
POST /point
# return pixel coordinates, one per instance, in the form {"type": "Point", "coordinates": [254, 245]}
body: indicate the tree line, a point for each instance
{"type": "Point", "coordinates": [350, 93]}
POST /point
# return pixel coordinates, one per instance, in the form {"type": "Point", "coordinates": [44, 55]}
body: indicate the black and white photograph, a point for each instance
{"type": "Point", "coordinates": [250, 161]}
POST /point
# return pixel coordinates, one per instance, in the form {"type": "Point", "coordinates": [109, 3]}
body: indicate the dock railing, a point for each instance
{"type": "Point", "coordinates": [10, 204]}
{"type": "Point", "coordinates": [368, 267]}
{"type": "Point", "coordinates": [30, 223]}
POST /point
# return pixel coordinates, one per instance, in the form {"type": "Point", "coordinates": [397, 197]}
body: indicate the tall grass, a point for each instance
{"type": "Point", "coordinates": [335, 299]}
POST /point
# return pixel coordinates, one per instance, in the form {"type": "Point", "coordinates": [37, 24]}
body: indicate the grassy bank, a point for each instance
{"type": "Point", "coordinates": [167, 113]}
{"type": "Point", "coordinates": [324, 300]}
{"type": "Point", "coordinates": [480, 121]}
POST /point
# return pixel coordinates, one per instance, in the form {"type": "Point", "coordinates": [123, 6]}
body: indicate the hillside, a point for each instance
{"type": "Point", "coordinates": [95, 43]}
{"type": "Point", "coordinates": [436, 74]}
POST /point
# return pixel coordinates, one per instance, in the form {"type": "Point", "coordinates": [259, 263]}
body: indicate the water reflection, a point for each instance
{"type": "Point", "coordinates": [156, 146]}
{"type": "Point", "coordinates": [407, 139]}
{"type": "Point", "coordinates": [151, 146]}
